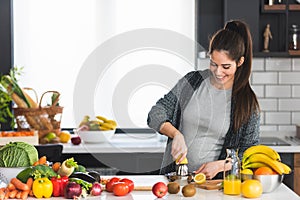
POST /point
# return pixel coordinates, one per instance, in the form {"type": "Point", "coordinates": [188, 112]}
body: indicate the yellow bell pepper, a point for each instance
{"type": "Point", "coordinates": [42, 187]}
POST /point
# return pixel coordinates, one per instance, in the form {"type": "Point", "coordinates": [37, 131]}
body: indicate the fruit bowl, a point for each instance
{"type": "Point", "coordinates": [7, 173]}
{"type": "Point", "coordinates": [96, 136]}
{"type": "Point", "coordinates": [269, 182]}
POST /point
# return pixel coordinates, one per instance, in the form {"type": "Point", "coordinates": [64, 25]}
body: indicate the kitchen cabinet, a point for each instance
{"type": "Point", "coordinates": [297, 173]}
{"type": "Point", "coordinates": [212, 16]}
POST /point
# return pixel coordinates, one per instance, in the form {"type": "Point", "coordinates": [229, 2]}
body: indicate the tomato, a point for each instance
{"type": "Point", "coordinates": [129, 183]}
{"type": "Point", "coordinates": [120, 189]}
{"type": "Point", "coordinates": [109, 185]}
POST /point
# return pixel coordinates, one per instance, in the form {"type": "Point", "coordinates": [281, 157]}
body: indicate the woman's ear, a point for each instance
{"type": "Point", "coordinates": [241, 61]}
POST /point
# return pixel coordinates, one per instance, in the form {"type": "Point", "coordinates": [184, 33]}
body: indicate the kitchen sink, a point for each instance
{"type": "Point", "coordinates": [273, 141]}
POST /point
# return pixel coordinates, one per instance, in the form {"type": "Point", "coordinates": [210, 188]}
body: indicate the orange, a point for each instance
{"type": "Point", "coordinates": [64, 136]}
{"type": "Point", "coordinates": [263, 171]}
{"type": "Point", "coordinates": [251, 188]}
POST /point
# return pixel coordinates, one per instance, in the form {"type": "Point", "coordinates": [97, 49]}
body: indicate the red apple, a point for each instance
{"type": "Point", "coordinates": [159, 189]}
{"type": "Point", "coordinates": [76, 140]}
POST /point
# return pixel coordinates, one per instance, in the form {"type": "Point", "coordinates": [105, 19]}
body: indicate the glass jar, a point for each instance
{"type": "Point", "coordinates": [294, 37]}
{"type": "Point", "coordinates": [232, 177]}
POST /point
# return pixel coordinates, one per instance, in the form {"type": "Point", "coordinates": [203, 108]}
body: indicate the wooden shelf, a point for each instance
{"type": "Point", "coordinates": [294, 52]}
{"type": "Point", "coordinates": [294, 7]}
{"type": "Point", "coordinates": [279, 7]}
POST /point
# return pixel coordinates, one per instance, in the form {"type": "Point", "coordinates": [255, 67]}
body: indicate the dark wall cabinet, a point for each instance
{"type": "Point", "coordinates": [212, 15]}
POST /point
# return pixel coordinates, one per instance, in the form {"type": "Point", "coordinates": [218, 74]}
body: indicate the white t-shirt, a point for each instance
{"type": "Point", "coordinates": [205, 122]}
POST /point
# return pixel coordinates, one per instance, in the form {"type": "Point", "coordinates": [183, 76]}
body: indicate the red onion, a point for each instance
{"type": "Point", "coordinates": [96, 189]}
{"type": "Point", "coordinates": [72, 190]}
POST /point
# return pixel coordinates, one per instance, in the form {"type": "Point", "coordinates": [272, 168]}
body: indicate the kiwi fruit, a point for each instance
{"type": "Point", "coordinates": [173, 188]}
{"type": "Point", "coordinates": [188, 190]}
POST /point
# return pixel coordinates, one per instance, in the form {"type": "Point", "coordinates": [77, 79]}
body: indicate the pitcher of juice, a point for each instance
{"type": "Point", "coordinates": [232, 176]}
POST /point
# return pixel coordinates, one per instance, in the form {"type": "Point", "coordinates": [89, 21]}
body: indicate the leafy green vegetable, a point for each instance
{"type": "Point", "coordinates": [5, 95]}
{"type": "Point", "coordinates": [41, 171]}
{"type": "Point", "coordinates": [18, 154]}
{"type": "Point", "coordinates": [84, 184]}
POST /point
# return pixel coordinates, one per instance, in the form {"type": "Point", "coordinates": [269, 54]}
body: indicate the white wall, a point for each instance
{"type": "Point", "coordinates": [53, 39]}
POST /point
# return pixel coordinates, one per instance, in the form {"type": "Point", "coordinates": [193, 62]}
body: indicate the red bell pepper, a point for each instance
{"type": "Point", "coordinates": [59, 183]}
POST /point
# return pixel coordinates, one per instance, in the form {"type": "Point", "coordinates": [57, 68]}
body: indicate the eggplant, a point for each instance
{"type": "Point", "coordinates": [96, 175]}
{"type": "Point", "coordinates": [83, 176]}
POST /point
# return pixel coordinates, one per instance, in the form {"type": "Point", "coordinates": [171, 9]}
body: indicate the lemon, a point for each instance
{"type": "Point", "coordinates": [184, 161]}
{"type": "Point", "coordinates": [251, 188]}
{"type": "Point", "coordinates": [200, 178]}
{"type": "Point", "coordinates": [247, 171]}
{"type": "Point", "coordinates": [64, 136]}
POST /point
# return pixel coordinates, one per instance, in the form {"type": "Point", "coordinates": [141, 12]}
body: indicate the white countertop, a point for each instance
{"type": "Point", "coordinates": [154, 143]}
{"type": "Point", "coordinates": [121, 143]}
{"type": "Point", "coordinates": [282, 192]}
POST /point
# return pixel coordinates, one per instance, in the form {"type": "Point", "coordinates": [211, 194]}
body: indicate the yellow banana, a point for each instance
{"type": "Point", "coordinates": [261, 149]}
{"type": "Point", "coordinates": [287, 169]}
{"type": "Point", "coordinates": [113, 122]}
{"type": "Point", "coordinates": [254, 165]}
{"type": "Point", "coordinates": [263, 158]}
{"type": "Point", "coordinates": [108, 125]}
{"type": "Point", "coordinates": [104, 128]}
{"type": "Point", "coordinates": [101, 118]}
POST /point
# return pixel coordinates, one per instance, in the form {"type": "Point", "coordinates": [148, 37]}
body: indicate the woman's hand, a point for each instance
{"type": "Point", "coordinates": [179, 148]}
{"type": "Point", "coordinates": [211, 169]}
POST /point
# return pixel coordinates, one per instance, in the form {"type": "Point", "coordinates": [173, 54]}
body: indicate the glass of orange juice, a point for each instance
{"type": "Point", "coordinates": [232, 175]}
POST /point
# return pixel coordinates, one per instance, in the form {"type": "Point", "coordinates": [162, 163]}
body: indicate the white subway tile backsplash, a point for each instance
{"type": "Point", "coordinates": [259, 90]}
{"type": "Point", "coordinates": [289, 77]}
{"type": "Point", "coordinates": [287, 128]}
{"type": "Point", "coordinates": [289, 104]}
{"type": "Point", "coordinates": [278, 118]}
{"type": "Point", "coordinates": [296, 64]}
{"type": "Point", "coordinates": [268, 104]}
{"type": "Point", "coordinates": [295, 90]}
{"type": "Point", "coordinates": [278, 64]}
{"type": "Point", "coordinates": [258, 64]}
{"type": "Point", "coordinates": [268, 128]}
{"type": "Point", "coordinates": [278, 91]}
{"type": "Point", "coordinates": [264, 77]}
{"type": "Point", "coordinates": [296, 118]}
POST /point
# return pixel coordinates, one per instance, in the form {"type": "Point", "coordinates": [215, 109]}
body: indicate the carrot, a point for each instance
{"type": "Point", "coordinates": [2, 194]}
{"type": "Point", "coordinates": [24, 194]}
{"type": "Point", "coordinates": [29, 182]}
{"type": "Point", "coordinates": [19, 185]}
{"type": "Point", "coordinates": [18, 195]}
{"type": "Point", "coordinates": [31, 193]}
{"type": "Point", "coordinates": [56, 166]}
{"type": "Point", "coordinates": [13, 193]}
{"type": "Point", "coordinates": [43, 160]}
{"type": "Point", "coordinates": [11, 187]}
{"type": "Point", "coordinates": [6, 196]}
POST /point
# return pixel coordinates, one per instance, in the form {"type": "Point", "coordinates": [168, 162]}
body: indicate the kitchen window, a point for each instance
{"type": "Point", "coordinates": [54, 39]}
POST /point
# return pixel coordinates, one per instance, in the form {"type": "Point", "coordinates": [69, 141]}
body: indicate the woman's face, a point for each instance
{"type": "Point", "coordinates": [223, 69]}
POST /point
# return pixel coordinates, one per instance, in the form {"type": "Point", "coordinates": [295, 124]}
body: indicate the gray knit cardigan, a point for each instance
{"type": "Point", "coordinates": [170, 108]}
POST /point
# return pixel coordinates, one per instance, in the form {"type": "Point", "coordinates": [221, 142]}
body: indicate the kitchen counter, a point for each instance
{"type": "Point", "coordinates": [121, 143]}
{"type": "Point", "coordinates": [282, 192]}
{"type": "Point", "coordinates": [155, 143]}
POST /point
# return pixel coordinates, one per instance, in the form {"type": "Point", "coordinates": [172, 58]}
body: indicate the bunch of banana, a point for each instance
{"type": "Point", "coordinates": [100, 123]}
{"type": "Point", "coordinates": [106, 124]}
{"type": "Point", "coordinates": [260, 156]}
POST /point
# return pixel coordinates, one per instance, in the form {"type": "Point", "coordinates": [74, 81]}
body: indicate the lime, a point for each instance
{"type": "Point", "coordinates": [50, 136]}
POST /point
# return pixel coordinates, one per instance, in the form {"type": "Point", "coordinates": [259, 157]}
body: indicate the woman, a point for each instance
{"type": "Point", "coordinates": [211, 110]}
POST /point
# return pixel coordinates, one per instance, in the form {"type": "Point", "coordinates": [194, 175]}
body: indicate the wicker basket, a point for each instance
{"type": "Point", "coordinates": [43, 119]}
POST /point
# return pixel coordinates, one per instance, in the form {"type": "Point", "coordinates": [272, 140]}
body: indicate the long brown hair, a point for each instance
{"type": "Point", "coordinates": [235, 39]}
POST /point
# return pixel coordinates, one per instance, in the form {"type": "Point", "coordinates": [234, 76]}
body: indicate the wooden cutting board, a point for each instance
{"type": "Point", "coordinates": [211, 184]}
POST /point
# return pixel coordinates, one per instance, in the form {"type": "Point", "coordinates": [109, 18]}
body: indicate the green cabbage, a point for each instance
{"type": "Point", "coordinates": [18, 154]}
